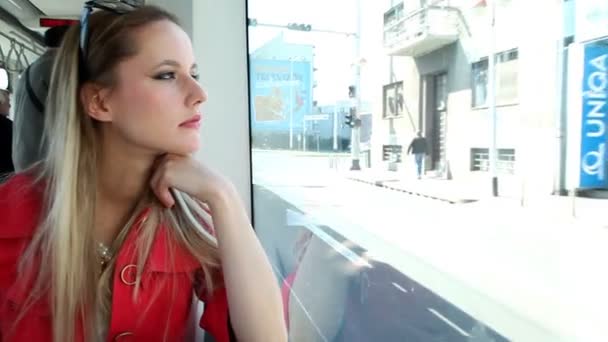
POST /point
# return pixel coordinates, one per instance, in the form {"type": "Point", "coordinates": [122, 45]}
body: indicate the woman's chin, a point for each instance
{"type": "Point", "coordinates": [186, 148]}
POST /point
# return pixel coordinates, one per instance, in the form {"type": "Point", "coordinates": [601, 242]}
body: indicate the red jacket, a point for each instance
{"type": "Point", "coordinates": [159, 309]}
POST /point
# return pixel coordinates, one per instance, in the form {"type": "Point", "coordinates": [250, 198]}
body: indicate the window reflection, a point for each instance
{"type": "Point", "coordinates": [334, 291]}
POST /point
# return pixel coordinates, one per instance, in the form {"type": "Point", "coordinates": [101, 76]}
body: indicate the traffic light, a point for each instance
{"type": "Point", "coordinates": [352, 91]}
{"type": "Point", "coordinates": [351, 119]}
{"type": "Point", "coordinates": [348, 120]}
{"type": "Point", "coordinates": [299, 27]}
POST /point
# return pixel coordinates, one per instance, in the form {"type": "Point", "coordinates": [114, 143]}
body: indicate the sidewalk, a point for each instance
{"type": "Point", "coordinates": [439, 189]}
{"type": "Point", "coordinates": [475, 193]}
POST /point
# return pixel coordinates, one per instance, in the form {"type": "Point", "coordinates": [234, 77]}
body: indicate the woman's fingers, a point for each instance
{"type": "Point", "coordinates": [161, 186]}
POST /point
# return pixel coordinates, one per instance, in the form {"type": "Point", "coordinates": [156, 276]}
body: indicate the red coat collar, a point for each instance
{"type": "Point", "coordinates": [166, 255]}
{"type": "Point", "coordinates": [21, 203]}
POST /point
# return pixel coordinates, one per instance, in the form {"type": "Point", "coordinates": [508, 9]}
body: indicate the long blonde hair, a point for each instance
{"type": "Point", "coordinates": [64, 239]}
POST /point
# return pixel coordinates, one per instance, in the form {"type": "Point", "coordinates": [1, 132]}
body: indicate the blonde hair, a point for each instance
{"type": "Point", "coordinates": [69, 176]}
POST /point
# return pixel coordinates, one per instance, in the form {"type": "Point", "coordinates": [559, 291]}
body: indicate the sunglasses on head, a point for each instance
{"type": "Point", "coordinates": [115, 6]}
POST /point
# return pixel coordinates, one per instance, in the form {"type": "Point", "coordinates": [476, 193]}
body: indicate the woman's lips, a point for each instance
{"type": "Point", "coordinates": [194, 122]}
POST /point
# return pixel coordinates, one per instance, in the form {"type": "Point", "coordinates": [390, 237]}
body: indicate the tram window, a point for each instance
{"type": "Point", "coordinates": [415, 244]}
{"type": "Point", "coordinates": [4, 79]}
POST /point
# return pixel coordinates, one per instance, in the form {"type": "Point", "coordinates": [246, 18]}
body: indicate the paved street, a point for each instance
{"type": "Point", "coordinates": [502, 265]}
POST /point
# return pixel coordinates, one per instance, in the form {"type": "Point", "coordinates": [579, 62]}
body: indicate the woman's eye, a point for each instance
{"type": "Point", "coordinates": [165, 76]}
{"type": "Point", "coordinates": [195, 76]}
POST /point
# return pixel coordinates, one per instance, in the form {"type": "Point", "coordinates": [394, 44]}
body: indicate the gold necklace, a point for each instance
{"type": "Point", "coordinates": [105, 255]}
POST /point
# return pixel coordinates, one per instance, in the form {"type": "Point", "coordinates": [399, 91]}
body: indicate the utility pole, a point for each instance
{"type": "Point", "coordinates": [491, 99]}
{"type": "Point", "coordinates": [291, 100]}
{"type": "Point", "coordinates": [392, 133]}
{"type": "Point", "coordinates": [355, 142]}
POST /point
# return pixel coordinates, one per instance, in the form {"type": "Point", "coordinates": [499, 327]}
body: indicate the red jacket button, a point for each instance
{"type": "Point", "coordinates": [121, 337]}
{"type": "Point", "coordinates": [128, 275]}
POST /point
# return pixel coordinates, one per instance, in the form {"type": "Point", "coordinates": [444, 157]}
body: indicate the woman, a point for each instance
{"type": "Point", "coordinates": [110, 236]}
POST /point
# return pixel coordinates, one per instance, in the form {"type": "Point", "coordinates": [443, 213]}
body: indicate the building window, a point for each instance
{"type": "Point", "coordinates": [393, 101]}
{"type": "Point", "coordinates": [480, 160]}
{"type": "Point", "coordinates": [506, 79]}
{"type": "Point", "coordinates": [480, 82]}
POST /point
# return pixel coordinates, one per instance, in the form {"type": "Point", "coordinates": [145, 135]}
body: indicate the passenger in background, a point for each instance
{"type": "Point", "coordinates": [6, 134]}
{"type": "Point", "coordinates": [30, 100]}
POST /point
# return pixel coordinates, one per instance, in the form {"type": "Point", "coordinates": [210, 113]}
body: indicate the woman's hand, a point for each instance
{"type": "Point", "coordinates": [255, 311]}
{"type": "Point", "coordinates": [189, 176]}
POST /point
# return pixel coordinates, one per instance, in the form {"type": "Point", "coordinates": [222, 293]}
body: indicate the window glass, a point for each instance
{"type": "Point", "coordinates": [506, 79]}
{"type": "Point", "coordinates": [396, 202]}
{"type": "Point", "coordinates": [4, 79]}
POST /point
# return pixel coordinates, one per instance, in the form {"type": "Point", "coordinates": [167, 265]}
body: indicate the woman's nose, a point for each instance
{"type": "Point", "coordinates": [198, 95]}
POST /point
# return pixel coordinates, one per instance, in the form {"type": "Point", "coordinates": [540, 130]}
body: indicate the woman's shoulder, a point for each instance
{"type": "Point", "coordinates": [20, 206]}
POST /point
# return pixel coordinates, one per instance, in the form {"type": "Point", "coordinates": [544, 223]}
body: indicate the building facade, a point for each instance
{"type": "Point", "coordinates": [438, 84]}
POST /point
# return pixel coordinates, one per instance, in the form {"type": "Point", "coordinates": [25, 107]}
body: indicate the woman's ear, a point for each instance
{"type": "Point", "coordinates": [94, 102]}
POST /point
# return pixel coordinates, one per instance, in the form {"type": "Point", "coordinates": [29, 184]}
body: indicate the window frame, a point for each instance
{"type": "Point", "coordinates": [483, 65]}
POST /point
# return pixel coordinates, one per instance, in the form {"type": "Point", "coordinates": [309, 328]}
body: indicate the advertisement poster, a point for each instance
{"type": "Point", "coordinates": [280, 94]}
{"type": "Point", "coordinates": [594, 134]}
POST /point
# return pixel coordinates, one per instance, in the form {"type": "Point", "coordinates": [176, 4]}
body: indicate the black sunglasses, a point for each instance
{"type": "Point", "coordinates": [116, 6]}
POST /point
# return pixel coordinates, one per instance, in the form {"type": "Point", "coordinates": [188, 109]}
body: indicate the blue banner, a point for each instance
{"type": "Point", "coordinates": [594, 159]}
{"type": "Point", "coordinates": [280, 94]}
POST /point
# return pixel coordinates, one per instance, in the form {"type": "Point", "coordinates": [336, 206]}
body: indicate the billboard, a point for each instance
{"type": "Point", "coordinates": [280, 94]}
{"type": "Point", "coordinates": [594, 134]}
{"type": "Point", "coordinates": [587, 119]}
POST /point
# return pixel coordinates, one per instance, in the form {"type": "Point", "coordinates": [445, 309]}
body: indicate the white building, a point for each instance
{"type": "Point", "coordinates": [440, 52]}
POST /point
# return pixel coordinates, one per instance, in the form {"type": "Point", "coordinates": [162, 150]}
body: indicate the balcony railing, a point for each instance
{"type": "Point", "coordinates": [421, 31]}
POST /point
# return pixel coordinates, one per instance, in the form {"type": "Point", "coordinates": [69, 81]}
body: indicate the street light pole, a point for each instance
{"type": "Point", "coordinates": [493, 155]}
{"type": "Point", "coordinates": [253, 22]}
{"type": "Point", "coordinates": [355, 142]}
{"type": "Point", "coordinates": [291, 103]}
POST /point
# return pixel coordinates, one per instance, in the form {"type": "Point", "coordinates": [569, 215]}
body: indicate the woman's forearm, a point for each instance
{"type": "Point", "coordinates": [253, 293]}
